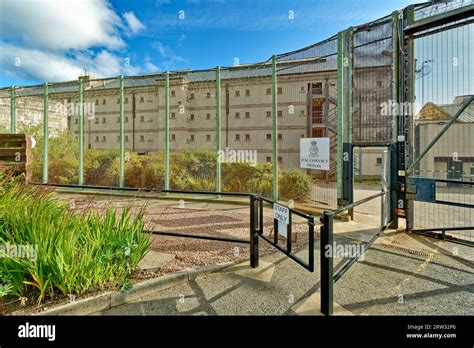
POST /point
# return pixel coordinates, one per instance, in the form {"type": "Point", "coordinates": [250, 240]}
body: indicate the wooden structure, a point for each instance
{"type": "Point", "coordinates": [15, 154]}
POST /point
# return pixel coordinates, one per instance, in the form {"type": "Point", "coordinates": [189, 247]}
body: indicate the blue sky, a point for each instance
{"type": "Point", "coordinates": [56, 40]}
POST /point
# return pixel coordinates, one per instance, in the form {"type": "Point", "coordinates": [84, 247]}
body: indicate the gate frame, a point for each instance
{"type": "Point", "coordinates": [406, 141]}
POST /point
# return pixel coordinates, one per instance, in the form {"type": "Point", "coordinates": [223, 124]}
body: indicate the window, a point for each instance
{"type": "Point", "coordinates": [280, 113]}
{"type": "Point", "coordinates": [191, 137]}
{"type": "Point", "coordinates": [280, 90]}
{"type": "Point", "coordinates": [317, 88]}
{"type": "Point", "coordinates": [126, 100]}
{"type": "Point", "coordinates": [104, 138]}
{"type": "Point", "coordinates": [173, 115]}
{"type": "Point", "coordinates": [269, 159]}
{"type": "Point", "coordinates": [142, 138]}
{"type": "Point", "coordinates": [126, 138]}
{"type": "Point", "coordinates": [68, 100]}
{"type": "Point", "coordinates": [472, 168]}
{"type": "Point", "coordinates": [269, 114]}
{"type": "Point", "coordinates": [269, 91]}
{"type": "Point", "coordinates": [247, 92]}
{"type": "Point", "coordinates": [303, 89]}
{"type": "Point", "coordinates": [118, 119]}
{"type": "Point", "coordinates": [208, 116]}
{"type": "Point", "coordinates": [208, 95]}
{"type": "Point", "coordinates": [301, 135]}
{"type": "Point", "coordinates": [103, 101]}
{"type": "Point", "coordinates": [280, 160]}
{"type": "Point", "coordinates": [104, 120]}
{"type": "Point", "coordinates": [302, 112]}
{"type": "Point", "coordinates": [269, 136]}
{"type": "Point", "coordinates": [97, 102]}
{"type": "Point", "coordinates": [208, 137]}
{"type": "Point", "coordinates": [237, 137]}
{"type": "Point", "coordinates": [280, 136]}
{"type": "Point", "coordinates": [191, 117]}
{"type": "Point", "coordinates": [142, 99]}
{"type": "Point", "coordinates": [126, 119]}
{"type": "Point", "coordinates": [118, 138]}
{"type": "Point", "coordinates": [173, 93]}
{"type": "Point", "coordinates": [237, 115]}
{"type": "Point", "coordinates": [379, 84]}
{"type": "Point", "coordinates": [142, 118]}
{"type": "Point", "coordinates": [191, 97]}
{"type": "Point", "coordinates": [76, 121]}
{"type": "Point", "coordinates": [96, 138]}
{"type": "Point", "coordinates": [247, 137]}
{"type": "Point", "coordinates": [379, 161]}
{"type": "Point", "coordinates": [173, 137]}
{"type": "Point", "coordinates": [96, 121]}
{"type": "Point", "coordinates": [237, 93]}
{"type": "Point", "coordinates": [247, 114]}
{"type": "Point", "coordinates": [118, 100]}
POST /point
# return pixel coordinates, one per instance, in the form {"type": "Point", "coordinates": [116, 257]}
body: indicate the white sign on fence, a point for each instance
{"type": "Point", "coordinates": [314, 153]}
{"type": "Point", "coordinates": [282, 214]}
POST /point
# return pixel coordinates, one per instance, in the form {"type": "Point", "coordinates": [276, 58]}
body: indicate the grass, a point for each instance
{"type": "Point", "coordinates": [76, 253]}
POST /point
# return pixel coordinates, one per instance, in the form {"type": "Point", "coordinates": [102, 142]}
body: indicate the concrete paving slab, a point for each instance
{"type": "Point", "coordinates": [263, 273]}
{"type": "Point", "coordinates": [312, 306]}
{"type": "Point", "coordinates": [154, 260]}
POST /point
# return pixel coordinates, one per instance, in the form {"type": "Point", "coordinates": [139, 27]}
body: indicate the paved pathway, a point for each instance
{"type": "Point", "coordinates": [401, 274]}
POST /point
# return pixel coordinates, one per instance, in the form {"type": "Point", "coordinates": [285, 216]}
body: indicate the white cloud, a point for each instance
{"type": "Point", "coordinates": [57, 39]}
{"type": "Point", "coordinates": [57, 24]}
{"type": "Point", "coordinates": [133, 23]}
{"type": "Point", "coordinates": [168, 55]}
{"type": "Point", "coordinates": [50, 66]}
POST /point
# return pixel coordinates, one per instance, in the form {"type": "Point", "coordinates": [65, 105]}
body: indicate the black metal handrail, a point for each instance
{"type": "Point", "coordinates": [328, 275]}
{"type": "Point", "coordinates": [256, 221]}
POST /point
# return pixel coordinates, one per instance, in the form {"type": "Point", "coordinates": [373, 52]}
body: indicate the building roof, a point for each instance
{"type": "Point", "coordinates": [434, 112]}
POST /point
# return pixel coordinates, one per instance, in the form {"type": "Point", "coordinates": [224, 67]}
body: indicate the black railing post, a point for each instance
{"type": "Point", "coordinates": [327, 274]}
{"type": "Point", "coordinates": [311, 244]}
{"type": "Point", "coordinates": [253, 232]}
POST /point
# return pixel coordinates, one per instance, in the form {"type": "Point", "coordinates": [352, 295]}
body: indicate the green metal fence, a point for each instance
{"type": "Point", "coordinates": [232, 128]}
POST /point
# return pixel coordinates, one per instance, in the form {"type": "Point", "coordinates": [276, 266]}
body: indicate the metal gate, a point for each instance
{"type": "Point", "coordinates": [439, 120]}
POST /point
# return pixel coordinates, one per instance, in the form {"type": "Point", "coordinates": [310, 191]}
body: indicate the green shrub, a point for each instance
{"type": "Point", "coordinates": [75, 253]}
{"type": "Point", "coordinates": [295, 185]}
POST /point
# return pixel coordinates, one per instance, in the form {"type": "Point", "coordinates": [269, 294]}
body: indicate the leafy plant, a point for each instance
{"type": "Point", "coordinates": [75, 253]}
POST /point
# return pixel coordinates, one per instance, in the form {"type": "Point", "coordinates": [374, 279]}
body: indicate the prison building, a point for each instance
{"type": "Point", "coordinates": [307, 105]}
{"type": "Point", "coordinates": [451, 156]}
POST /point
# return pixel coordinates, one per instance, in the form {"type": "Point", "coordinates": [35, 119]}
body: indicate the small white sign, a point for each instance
{"type": "Point", "coordinates": [314, 153]}
{"type": "Point", "coordinates": [281, 213]}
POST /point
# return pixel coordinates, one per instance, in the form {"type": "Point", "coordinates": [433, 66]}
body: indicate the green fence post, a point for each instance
{"type": "Point", "coordinates": [340, 113]}
{"type": "Point", "coordinates": [218, 128]}
{"type": "Point", "coordinates": [395, 109]}
{"type": "Point", "coordinates": [408, 118]}
{"type": "Point", "coordinates": [122, 148]}
{"type": "Point", "coordinates": [167, 131]}
{"type": "Point", "coordinates": [12, 110]}
{"type": "Point", "coordinates": [274, 130]}
{"type": "Point", "coordinates": [81, 132]}
{"type": "Point", "coordinates": [45, 132]}
{"type": "Point", "coordinates": [345, 163]}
